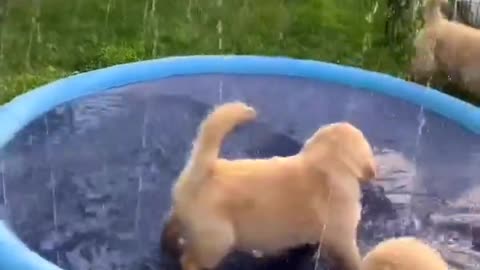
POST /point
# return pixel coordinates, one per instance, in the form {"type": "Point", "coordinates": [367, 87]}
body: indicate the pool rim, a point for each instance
{"type": "Point", "coordinates": [21, 110]}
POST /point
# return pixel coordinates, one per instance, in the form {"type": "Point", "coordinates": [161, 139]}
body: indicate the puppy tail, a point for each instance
{"type": "Point", "coordinates": [432, 12]}
{"type": "Point", "coordinates": [218, 124]}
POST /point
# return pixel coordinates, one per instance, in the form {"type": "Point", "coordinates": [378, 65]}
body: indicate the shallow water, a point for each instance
{"type": "Point", "coordinates": [87, 184]}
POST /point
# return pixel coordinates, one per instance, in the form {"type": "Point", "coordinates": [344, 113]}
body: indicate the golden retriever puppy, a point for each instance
{"type": "Point", "coordinates": [269, 205]}
{"type": "Point", "coordinates": [448, 47]}
{"type": "Point", "coordinates": [404, 253]}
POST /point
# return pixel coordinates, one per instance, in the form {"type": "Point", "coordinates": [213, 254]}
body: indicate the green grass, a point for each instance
{"type": "Point", "coordinates": [44, 40]}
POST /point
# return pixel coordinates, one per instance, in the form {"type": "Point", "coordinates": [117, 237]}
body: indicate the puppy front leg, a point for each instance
{"type": "Point", "coordinates": [342, 251]}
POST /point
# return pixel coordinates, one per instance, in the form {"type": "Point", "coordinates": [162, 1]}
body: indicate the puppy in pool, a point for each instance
{"type": "Point", "coordinates": [405, 253]}
{"type": "Point", "coordinates": [448, 47]}
{"type": "Point", "coordinates": [269, 205]}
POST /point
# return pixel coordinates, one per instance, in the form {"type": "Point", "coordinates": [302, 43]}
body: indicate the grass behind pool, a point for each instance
{"type": "Point", "coordinates": [44, 40]}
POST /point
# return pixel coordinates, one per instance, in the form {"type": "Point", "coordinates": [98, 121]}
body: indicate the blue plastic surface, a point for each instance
{"type": "Point", "coordinates": [17, 256]}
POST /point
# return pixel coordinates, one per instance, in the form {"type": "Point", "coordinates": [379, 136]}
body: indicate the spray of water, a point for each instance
{"type": "Point", "coordinates": [189, 10]}
{"type": "Point", "coordinates": [220, 48]}
{"type": "Point", "coordinates": [4, 184]}
{"type": "Point", "coordinates": [220, 28]}
{"type": "Point", "coordinates": [155, 30]}
{"type": "Point", "coordinates": [144, 130]}
{"type": "Point", "coordinates": [3, 16]}
{"type": "Point", "coordinates": [34, 29]}
{"type": "Point", "coordinates": [53, 183]}
{"type": "Point", "coordinates": [140, 176]}
{"type": "Point", "coordinates": [107, 12]}
{"type": "Point", "coordinates": [139, 201]}
{"type": "Point", "coordinates": [324, 228]}
{"type": "Point", "coordinates": [150, 23]}
{"type": "Point", "coordinates": [415, 177]}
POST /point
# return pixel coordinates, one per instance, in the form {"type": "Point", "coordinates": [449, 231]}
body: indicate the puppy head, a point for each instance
{"type": "Point", "coordinates": [404, 253]}
{"type": "Point", "coordinates": [342, 146]}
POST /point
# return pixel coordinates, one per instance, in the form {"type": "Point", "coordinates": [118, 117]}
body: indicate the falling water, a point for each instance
{"type": "Point", "coordinates": [4, 184]}
{"type": "Point", "coordinates": [189, 10]}
{"type": "Point", "coordinates": [421, 124]}
{"type": "Point", "coordinates": [149, 21]}
{"type": "Point", "coordinates": [107, 13]}
{"type": "Point", "coordinates": [155, 32]}
{"type": "Point", "coordinates": [220, 91]}
{"type": "Point", "coordinates": [220, 48]}
{"type": "Point", "coordinates": [144, 130]}
{"type": "Point", "coordinates": [2, 28]}
{"type": "Point", "coordinates": [35, 27]}
{"type": "Point", "coordinates": [140, 177]}
{"type": "Point", "coordinates": [53, 183]}
{"type": "Point", "coordinates": [29, 46]}
{"type": "Point", "coordinates": [139, 201]}
{"type": "Point", "coordinates": [145, 14]}
{"type": "Point", "coordinates": [220, 32]}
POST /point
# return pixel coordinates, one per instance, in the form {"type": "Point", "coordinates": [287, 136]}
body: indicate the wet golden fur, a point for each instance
{"type": "Point", "coordinates": [405, 253]}
{"type": "Point", "coordinates": [447, 47]}
{"type": "Point", "coordinates": [269, 205]}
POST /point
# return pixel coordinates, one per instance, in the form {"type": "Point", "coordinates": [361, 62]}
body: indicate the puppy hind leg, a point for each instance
{"type": "Point", "coordinates": [211, 242]}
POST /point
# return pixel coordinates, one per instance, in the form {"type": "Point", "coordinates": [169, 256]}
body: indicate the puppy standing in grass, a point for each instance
{"type": "Point", "coordinates": [405, 253]}
{"type": "Point", "coordinates": [449, 47]}
{"type": "Point", "coordinates": [269, 205]}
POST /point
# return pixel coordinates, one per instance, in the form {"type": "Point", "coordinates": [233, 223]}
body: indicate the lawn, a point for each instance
{"type": "Point", "coordinates": [42, 40]}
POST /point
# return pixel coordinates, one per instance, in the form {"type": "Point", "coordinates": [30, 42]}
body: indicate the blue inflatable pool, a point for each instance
{"type": "Point", "coordinates": [86, 162]}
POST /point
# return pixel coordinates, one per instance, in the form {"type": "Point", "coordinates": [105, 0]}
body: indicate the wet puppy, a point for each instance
{"type": "Point", "coordinates": [447, 47]}
{"type": "Point", "coordinates": [269, 205]}
{"type": "Point", "coordinates": [405, 253]}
